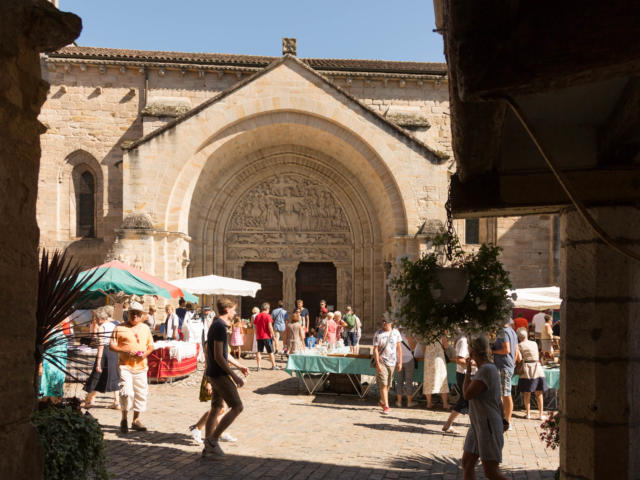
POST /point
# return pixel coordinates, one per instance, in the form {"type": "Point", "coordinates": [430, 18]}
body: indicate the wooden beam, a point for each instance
{"type": "Point", "coordinates": [619, 141]}
{"type": "Point", "coordinates": [512, 47]}
{"type": "Point", "coordinates": [539, 192]}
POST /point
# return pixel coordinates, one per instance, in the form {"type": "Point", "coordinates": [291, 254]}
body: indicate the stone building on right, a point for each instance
{"type": "Point", "coordinates": [545, 120]}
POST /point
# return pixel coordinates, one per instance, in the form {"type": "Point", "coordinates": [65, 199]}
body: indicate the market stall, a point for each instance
{"type": "Point", "coordinates": [314, 371]}
{"type": "Point", "coordinates": [172, 359]}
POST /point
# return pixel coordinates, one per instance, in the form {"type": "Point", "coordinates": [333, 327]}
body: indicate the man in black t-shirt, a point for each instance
{"type": "Point", "coordinates": [224, 381]}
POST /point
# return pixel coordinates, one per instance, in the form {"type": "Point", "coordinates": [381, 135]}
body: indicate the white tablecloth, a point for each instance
{"type": "Point", "coordinates": [177, 349]}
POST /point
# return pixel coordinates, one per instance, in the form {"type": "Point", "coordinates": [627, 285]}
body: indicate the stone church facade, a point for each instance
{"type": "Point", "coordinates": [308, 175]}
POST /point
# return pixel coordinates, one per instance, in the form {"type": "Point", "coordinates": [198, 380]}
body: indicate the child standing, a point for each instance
{"type": "Point", "coordinates": [236, 336]}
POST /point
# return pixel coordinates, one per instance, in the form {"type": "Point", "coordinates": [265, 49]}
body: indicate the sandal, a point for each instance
{"type": "Point", "coordinates": [87, 405]}
{"type": "Point", "coordinates": [114, 406]}
{"type": "Point", "coordinates": [450, 430]}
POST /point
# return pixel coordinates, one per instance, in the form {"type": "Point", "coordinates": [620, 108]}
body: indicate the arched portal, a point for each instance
{"type": "Point", "coordinates": [289, 205]}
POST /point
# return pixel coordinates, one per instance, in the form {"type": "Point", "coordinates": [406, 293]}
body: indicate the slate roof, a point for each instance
{"type": "Point", "coordinates": [246, 61]}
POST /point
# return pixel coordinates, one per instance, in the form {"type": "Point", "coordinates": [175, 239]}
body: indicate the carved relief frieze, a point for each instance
{"type": "Point", "coordinates": [289, 203]}
{"type": "Point", "coordinates": [309, 253]}
{"type": "Point", "coordinates": [288, 217]}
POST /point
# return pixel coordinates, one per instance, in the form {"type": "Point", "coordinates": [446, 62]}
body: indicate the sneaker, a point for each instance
{"type": "Point", "coordinates": [527, 416]}
{"type": "Point", "coordinates": [124, 427]}
{"type": "Point", "coordinates": [398, 404]}
{"type": "Point", "coordinates": [196, 434]}
{"type": "Point", "coordinates": [386, 410]}
{"type": "Point", "coordinates": [258, 369]}
{"type": "Point", "coordinates": [543, 418]}
{"type": "Point", "coordinates": [412, 404]}
{"type": "Point", "coordinates": [276, 367]}
{"type": "Point", "coordinates": [212, 450]}
{"type": "Point", "coordinates": [227, 437]}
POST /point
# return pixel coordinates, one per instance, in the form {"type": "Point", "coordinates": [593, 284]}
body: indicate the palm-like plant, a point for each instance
{"type": "Point", "coordinates": [60, 293]}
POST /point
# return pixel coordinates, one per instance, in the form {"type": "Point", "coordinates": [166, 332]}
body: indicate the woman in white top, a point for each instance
{"type": "Point", "coordinates": [171, 324]}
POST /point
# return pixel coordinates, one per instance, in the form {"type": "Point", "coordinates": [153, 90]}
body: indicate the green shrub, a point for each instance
{"type": "Point", "coordinates": [73, 444]}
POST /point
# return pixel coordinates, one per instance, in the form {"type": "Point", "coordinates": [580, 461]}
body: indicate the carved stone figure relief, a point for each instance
{"type": "Point", "coordinates": [289, 203]}
{"type": "Point", "coordinates": [288, 217]}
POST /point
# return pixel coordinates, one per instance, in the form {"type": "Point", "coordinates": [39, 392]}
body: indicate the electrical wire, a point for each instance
{"type": "Point", "coordinates": [604, 236]}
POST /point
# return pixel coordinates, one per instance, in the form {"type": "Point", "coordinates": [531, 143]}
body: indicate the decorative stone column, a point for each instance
{"type": "Point", "coordinates": [288, 270]}
{"type": "Point", "coordinates": [600, 351]}
{"type": "Point", "coordinates": [344, 284]}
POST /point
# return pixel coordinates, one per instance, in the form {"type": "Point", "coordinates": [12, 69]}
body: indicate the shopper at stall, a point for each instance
{"type": "Point", "coordinates": [224, 381]}
{"type": "Point", "coordinates": [104, 377]}
{"type": "Point", "coordinates": [532, 378]}
{"type": "Point", "coordinates": [304, 315]}
{"type": "Point", "coordinates": [171, 322]}
{"type": "Point", "coordinates": [294, 335]}
{"type": "Point", "coordinates": [133, 343]}
{"type": "Point", "coordinates": [280, 319]}
{"type": "Point", "coordinates": [485, 437]}
{"type": "Point", "coordinates": [404, 382]}
{"type": "Point", "coordinates": [504, 357]}
{"type": "Point", "coordinates": [181, 311]}
{"type": "Point", "coordinates": [350, 325]}
{"type": "Point", "coordinates": [330, 331]}
{"type": "Point", "coordinates": [263, 329]}
{"type": "Point", "coordinates": [387, 353]}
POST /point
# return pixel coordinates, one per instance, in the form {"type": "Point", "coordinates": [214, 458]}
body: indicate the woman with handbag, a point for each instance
{"type": "Point", "coordinates": [404, 381]}
{"type": "Point", "coordinates": [530, 371]}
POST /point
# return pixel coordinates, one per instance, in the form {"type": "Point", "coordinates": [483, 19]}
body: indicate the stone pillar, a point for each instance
{"type": "Point", "coordinates": [344, 284]}
{"type": "Point", "coordinates": [26, 28]}
{"type": "Point", "coordinates": [288, 270]}
{"type": "Point", "coordinates": [600, 353]}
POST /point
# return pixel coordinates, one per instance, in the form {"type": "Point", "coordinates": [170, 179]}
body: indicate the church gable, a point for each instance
{"type": "Point", "coordinates": [281, 81]}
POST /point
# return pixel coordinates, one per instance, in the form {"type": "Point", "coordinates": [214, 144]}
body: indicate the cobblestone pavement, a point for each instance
{"type": "Point", "coordinates": [286, 434]}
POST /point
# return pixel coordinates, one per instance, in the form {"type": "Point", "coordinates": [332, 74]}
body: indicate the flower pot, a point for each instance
{"type": "Point", "coordinates": [454, 283]}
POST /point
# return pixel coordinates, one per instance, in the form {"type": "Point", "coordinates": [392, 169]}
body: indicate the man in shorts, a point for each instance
{"type": "Point", "coordinates": [263, 329]}
{"type": "Point", "coordinates": [350, 324]}
{"type": "Point", "coordinates": [505, 350]}
{"type": "Point", "coordinates": [387, 353]}
{"type": "Point", "coordinates": [280, 319]}
{"type": "Point", "coordinates": [224, 381]}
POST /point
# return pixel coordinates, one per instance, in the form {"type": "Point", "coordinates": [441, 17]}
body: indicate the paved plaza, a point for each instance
{"type": "Point", "coordinates": [284, 433]}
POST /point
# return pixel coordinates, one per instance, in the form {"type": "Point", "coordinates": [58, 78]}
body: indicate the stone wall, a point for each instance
{"type": "Point", "coordinates": [528, 249]}
{"type": "Point", "coordinates": [26, 27]}
{"type": "Point", "coordinates": [95, 108]}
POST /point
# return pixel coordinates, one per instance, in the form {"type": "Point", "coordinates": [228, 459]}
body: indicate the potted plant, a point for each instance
{"type": "Point", "coordinates": [72, 442]}
{"type": "Point", "coordinates": [448, 288]}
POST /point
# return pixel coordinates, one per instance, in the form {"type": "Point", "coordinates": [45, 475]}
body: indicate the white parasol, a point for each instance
{"type": "Point", "coordinates": [542, 298]}
{"type": "Point", "coordinates": [216, 285]}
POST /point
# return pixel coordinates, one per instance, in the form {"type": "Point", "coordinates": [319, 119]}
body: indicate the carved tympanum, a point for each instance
{"type": "Point", "coordinates": [288, 216]}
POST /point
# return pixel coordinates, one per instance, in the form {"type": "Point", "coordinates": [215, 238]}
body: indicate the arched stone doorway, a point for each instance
{"type": "Point", "coordinates": [290, 205]}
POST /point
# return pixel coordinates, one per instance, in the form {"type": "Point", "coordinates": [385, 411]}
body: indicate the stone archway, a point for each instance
{"type": "Point", "coordinates": [290, 218]}
{"type": "Point", "coordinates": [289, 205]}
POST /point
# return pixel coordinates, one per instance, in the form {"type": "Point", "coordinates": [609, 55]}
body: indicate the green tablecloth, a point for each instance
{"type": "Point", "coordinates": [362, 366]}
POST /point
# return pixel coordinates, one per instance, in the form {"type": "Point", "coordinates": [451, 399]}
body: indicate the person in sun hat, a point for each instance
{"type": "Point", "coordinates": [133, 343]}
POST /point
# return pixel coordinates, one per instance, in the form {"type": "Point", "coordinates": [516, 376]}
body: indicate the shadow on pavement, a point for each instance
{"type": "Point", "coordinates": [126, 460]}
{"type": "Point", "coordinates": [399, 428]}
{"type": "Point", "coordinates": [150, 436]}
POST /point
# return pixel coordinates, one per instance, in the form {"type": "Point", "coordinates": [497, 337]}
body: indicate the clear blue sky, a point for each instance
{"type": "Point", "coordinates": [374, 29]}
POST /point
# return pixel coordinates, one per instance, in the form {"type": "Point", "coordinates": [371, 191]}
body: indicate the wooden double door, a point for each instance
{"type": "Point", "coordinates": [314, 281]}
